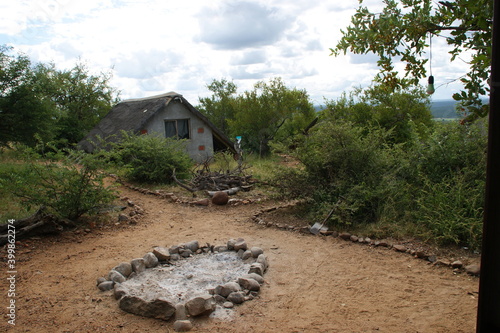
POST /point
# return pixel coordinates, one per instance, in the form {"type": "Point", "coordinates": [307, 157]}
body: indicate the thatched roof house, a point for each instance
{"type": "Point", "coordinates": [169, 115]}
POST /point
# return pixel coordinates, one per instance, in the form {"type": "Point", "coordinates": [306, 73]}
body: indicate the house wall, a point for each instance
{"type": "Point", "coordinates": [200, 145]}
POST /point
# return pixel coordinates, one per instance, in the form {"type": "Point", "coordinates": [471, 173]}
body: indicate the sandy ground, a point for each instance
{"type": "Point", "coordinates": [314, 283]}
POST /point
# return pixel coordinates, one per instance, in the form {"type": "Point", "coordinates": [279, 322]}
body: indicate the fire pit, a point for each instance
{"type": "Point", "coordinates": [188, 280]}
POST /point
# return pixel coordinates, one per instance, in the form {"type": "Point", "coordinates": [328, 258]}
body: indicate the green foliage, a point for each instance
{"type": "Point", "coordinates": [400, 112]}
{"type": "Point", "coordinates": [148, 158]}
{"type": "Point", "coordinates": [39, 100]}
{"type": "Point", "coordinates": [269, 112]}
{"type": "Point", "coordinates": [67, 190]}
{"type": "Point", "coordinates": [400, 31]}
{"type": "Point", "coordinates": [431, 184]}
{"type": "Point", "coordinates": [220, 106]}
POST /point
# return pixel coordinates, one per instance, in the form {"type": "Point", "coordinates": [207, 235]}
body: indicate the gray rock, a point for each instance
{"type": "Point", "coordinates": [119, 291]}
{"type": "Point", "coordinates": [138, 265]}
{"type": "Point", "coordinates": [354, 238]}
{"type": "Point", "coordinates": [473, 269]}
{"type": "Point", "coordinates": [345, 235]}
{"type": "Point", "coordinates": [106, 285]}
{"type": "Point", "coordinates": [150, 260]}
{"type": "Point", "coordinates": [193, 245]}
{"type": "Point", "coordinates": [240, 244]}
{"type": "Point", "coordinates": [228, 305]}
{"type": "Point", "coordinates": [159, 308]}
{"type": "Point", "coordinates": [236, 297]}
{"type": "Point", "coordinates": [100, 280]}
{"type": "Point", "coordinates": [116, 276]}
{"type": "Point", "coordinates": [256, 268]}
{"type": "Point", "coordinates": [124, 269]}
{"type": "Point", "coordinates": [230, 244]}
{"type": "Point", "coordinates": [201, 305]}
{"type": "Point", "coordinates": [175, 256]}
{"type": "Point", "coordinates": [249, 284]}
{"type": "Point", "coordinates": [256, 251]}
{"type": "Point", "coordinates": [219, 298]}
{"type": "Point", "coordinates": [457, 264]}
{"type": "Point", "coordinates": [180, 312]}
{"type": "Point", "coordinates": [255, 277]}
{"type": "Point", "coordinates": [227, 288]}
{"type": "Point", "coordinates": [246, 254]}
{"type": "Point", "coordinates": [221, 248]}
{"type": "Point", "coordinates": [261, 259]}
{"type": "Point", "coordinates": [174, 249]}
{"type": "Point", "coordinates": [123, 218]}
{"type": "Point", "coordinates": [186, 253]}
{"type": "Point", "coordinates": [183, 326]}
{"type": "Point", "coordinates": [162, 253]}
{"type": "Point", "coordinates": [399, 248]}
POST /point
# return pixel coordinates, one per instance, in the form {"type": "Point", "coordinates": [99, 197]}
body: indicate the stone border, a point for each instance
{"type": "Point", "coordinates": [457, 265]}
{"type": "Point", "coordinates": [244, 288]}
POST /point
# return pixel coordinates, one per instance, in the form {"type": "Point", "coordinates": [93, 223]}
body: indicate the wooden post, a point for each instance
{"type": "Point", "coordinates": [488, 312]}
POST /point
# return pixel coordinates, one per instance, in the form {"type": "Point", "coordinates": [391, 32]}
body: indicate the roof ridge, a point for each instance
{"type": "Point", "coordinates": [169, 94]}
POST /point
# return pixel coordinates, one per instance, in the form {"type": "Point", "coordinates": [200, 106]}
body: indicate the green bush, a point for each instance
{"type": "Point", "coordinates": [149, 158]}
{"type": "Point", "coordinates": [66, 189]}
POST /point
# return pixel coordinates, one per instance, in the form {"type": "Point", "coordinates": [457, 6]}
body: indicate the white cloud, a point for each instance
{"type": "Point", "coordinates": [155, 46]}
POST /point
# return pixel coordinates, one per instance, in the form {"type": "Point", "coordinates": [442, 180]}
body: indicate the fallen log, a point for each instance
{"type": "Point", "coordinates": [230, 191]}
{"type": "Point", "coordinates": [38, 224]}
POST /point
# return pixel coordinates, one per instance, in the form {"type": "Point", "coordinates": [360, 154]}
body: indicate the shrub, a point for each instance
{"type": "Point", "coordinates": [149, 158]}
{"type": "Point", "coordinates": [66, 189]}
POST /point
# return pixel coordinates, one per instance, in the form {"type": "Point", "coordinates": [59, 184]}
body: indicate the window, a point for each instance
{"type": "Point", "coordinates": [178, 129]}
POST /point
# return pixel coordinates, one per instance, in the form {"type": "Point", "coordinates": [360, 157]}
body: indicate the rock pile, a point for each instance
{"type": "Point", "coordinates": [244, 287]}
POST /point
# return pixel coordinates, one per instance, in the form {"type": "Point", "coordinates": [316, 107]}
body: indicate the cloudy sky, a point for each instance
{"type": "Point", "coordinates": [155, 46]}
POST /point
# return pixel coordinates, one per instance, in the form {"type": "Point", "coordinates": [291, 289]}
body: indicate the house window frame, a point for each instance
{"type": "Point", "coordinates": [176, 125]}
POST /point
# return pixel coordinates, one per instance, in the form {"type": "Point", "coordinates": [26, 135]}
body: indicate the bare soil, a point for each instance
{"type": "Point", "coordinates": [314, 283]}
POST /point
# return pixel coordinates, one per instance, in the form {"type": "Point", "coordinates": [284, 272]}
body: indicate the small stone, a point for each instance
{"type": "Point", "coordinates": [353, 238]}
{"type": "Point", "coordinates": [256, 251]}
{"type": "Point", "coordinates": [106, 285]}
{"type": "Point", "coordinates": [100, 280]}
{"type": "Point", "coordinates": [442, 262]}
{"type": "Point", "coordinates": [432, 258]}
{"type": "Point", "coordinates": [345, 236]}
{"type": "Point", "coordinates": [236, 297]}
{"type": "Point", "coordinates": [220, 198]}
{"type": "Point", "coordinates": [174, 249]}
{"type": "Point", "coordinates": [119, 291]}
{"type": "Point", "coordinates": [255, 277]}
{"type": "Point", "coordinates": [159, 308]}
{"type": "Point", "coordinates": [116, 276]}
{"type": "Point", "coordinates": [227, 288]}
{"type": "Point", "coordinates": [249, 284]}
{"type": "Point", "coordinates": [457, 264]}
{"type": "Point", "coordinates": [175, 256]}
{"type": "Point", "coordinates": [138, 265]}
{"type": "Point", "coordinates": [193, 246]}
{"type": "Point", "coordinates": [162, 253]}
{"type": "Point", "coordinates": [263, 260]}
{"type": "Point", "coordinates": [228, 305]}
{"type": "Point", "coordinates": [220, 248]}
{"type": "Point", "coordinates": [256, 268]}
{"type": "Point", "coordinates": [421, 255]}
{"type": "Point", "coordinates": [246, 254]}
{"type": "Point", "coordinates": [186, 253]}
{"type": "Point", "coordinates": [240, 244]}
{"type": "Point", "coordinates": [230, 244]}
{"type": "Point", "coordinates": [473, 269]}
{"type": "Point", "coordinates": [150, 260]}
{"type": "Point", "coordinates": [201, 305]}
{"type": "Point", "coordinates": [125, 268]}
{"type": "Point", "coordinates": [183, 326]}
{"type": "Point", "coordinates": [383, 243]}
{"type": "Point", "coordinates": [399, 248]}
{"type": "Point", "coordinates": [368, 240]}
{"type": "Point", "coordinates": [202, 202]}
{"type": "Point", "coordinates": [123, 218]}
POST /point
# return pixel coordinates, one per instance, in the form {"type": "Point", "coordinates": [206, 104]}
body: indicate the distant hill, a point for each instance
{"type": "Point", "coordinates": [439, 109]}
{"type": "Point", "coordinates": [444, 109]}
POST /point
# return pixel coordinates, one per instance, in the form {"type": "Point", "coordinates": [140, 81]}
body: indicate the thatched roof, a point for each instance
{"type": "Point", "coordinates": [133, 114]}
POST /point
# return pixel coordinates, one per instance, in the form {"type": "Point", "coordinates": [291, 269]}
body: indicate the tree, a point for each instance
{"type": "Point", "coordinates": [23, 115]}
{"type": "Point", "coordinates": [401, 30]}
{"type": "Point", "coordinates": [40, 101]}
{"type": "Point", "coordinates": [263, 112]}
{"type": "Point", "coordinates": [220, 107]}
{"type": "Point", "coordinates": [399, 112]}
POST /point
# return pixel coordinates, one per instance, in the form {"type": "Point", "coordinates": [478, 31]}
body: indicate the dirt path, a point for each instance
{"type": "Point", "coordinates": [314, 284]}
